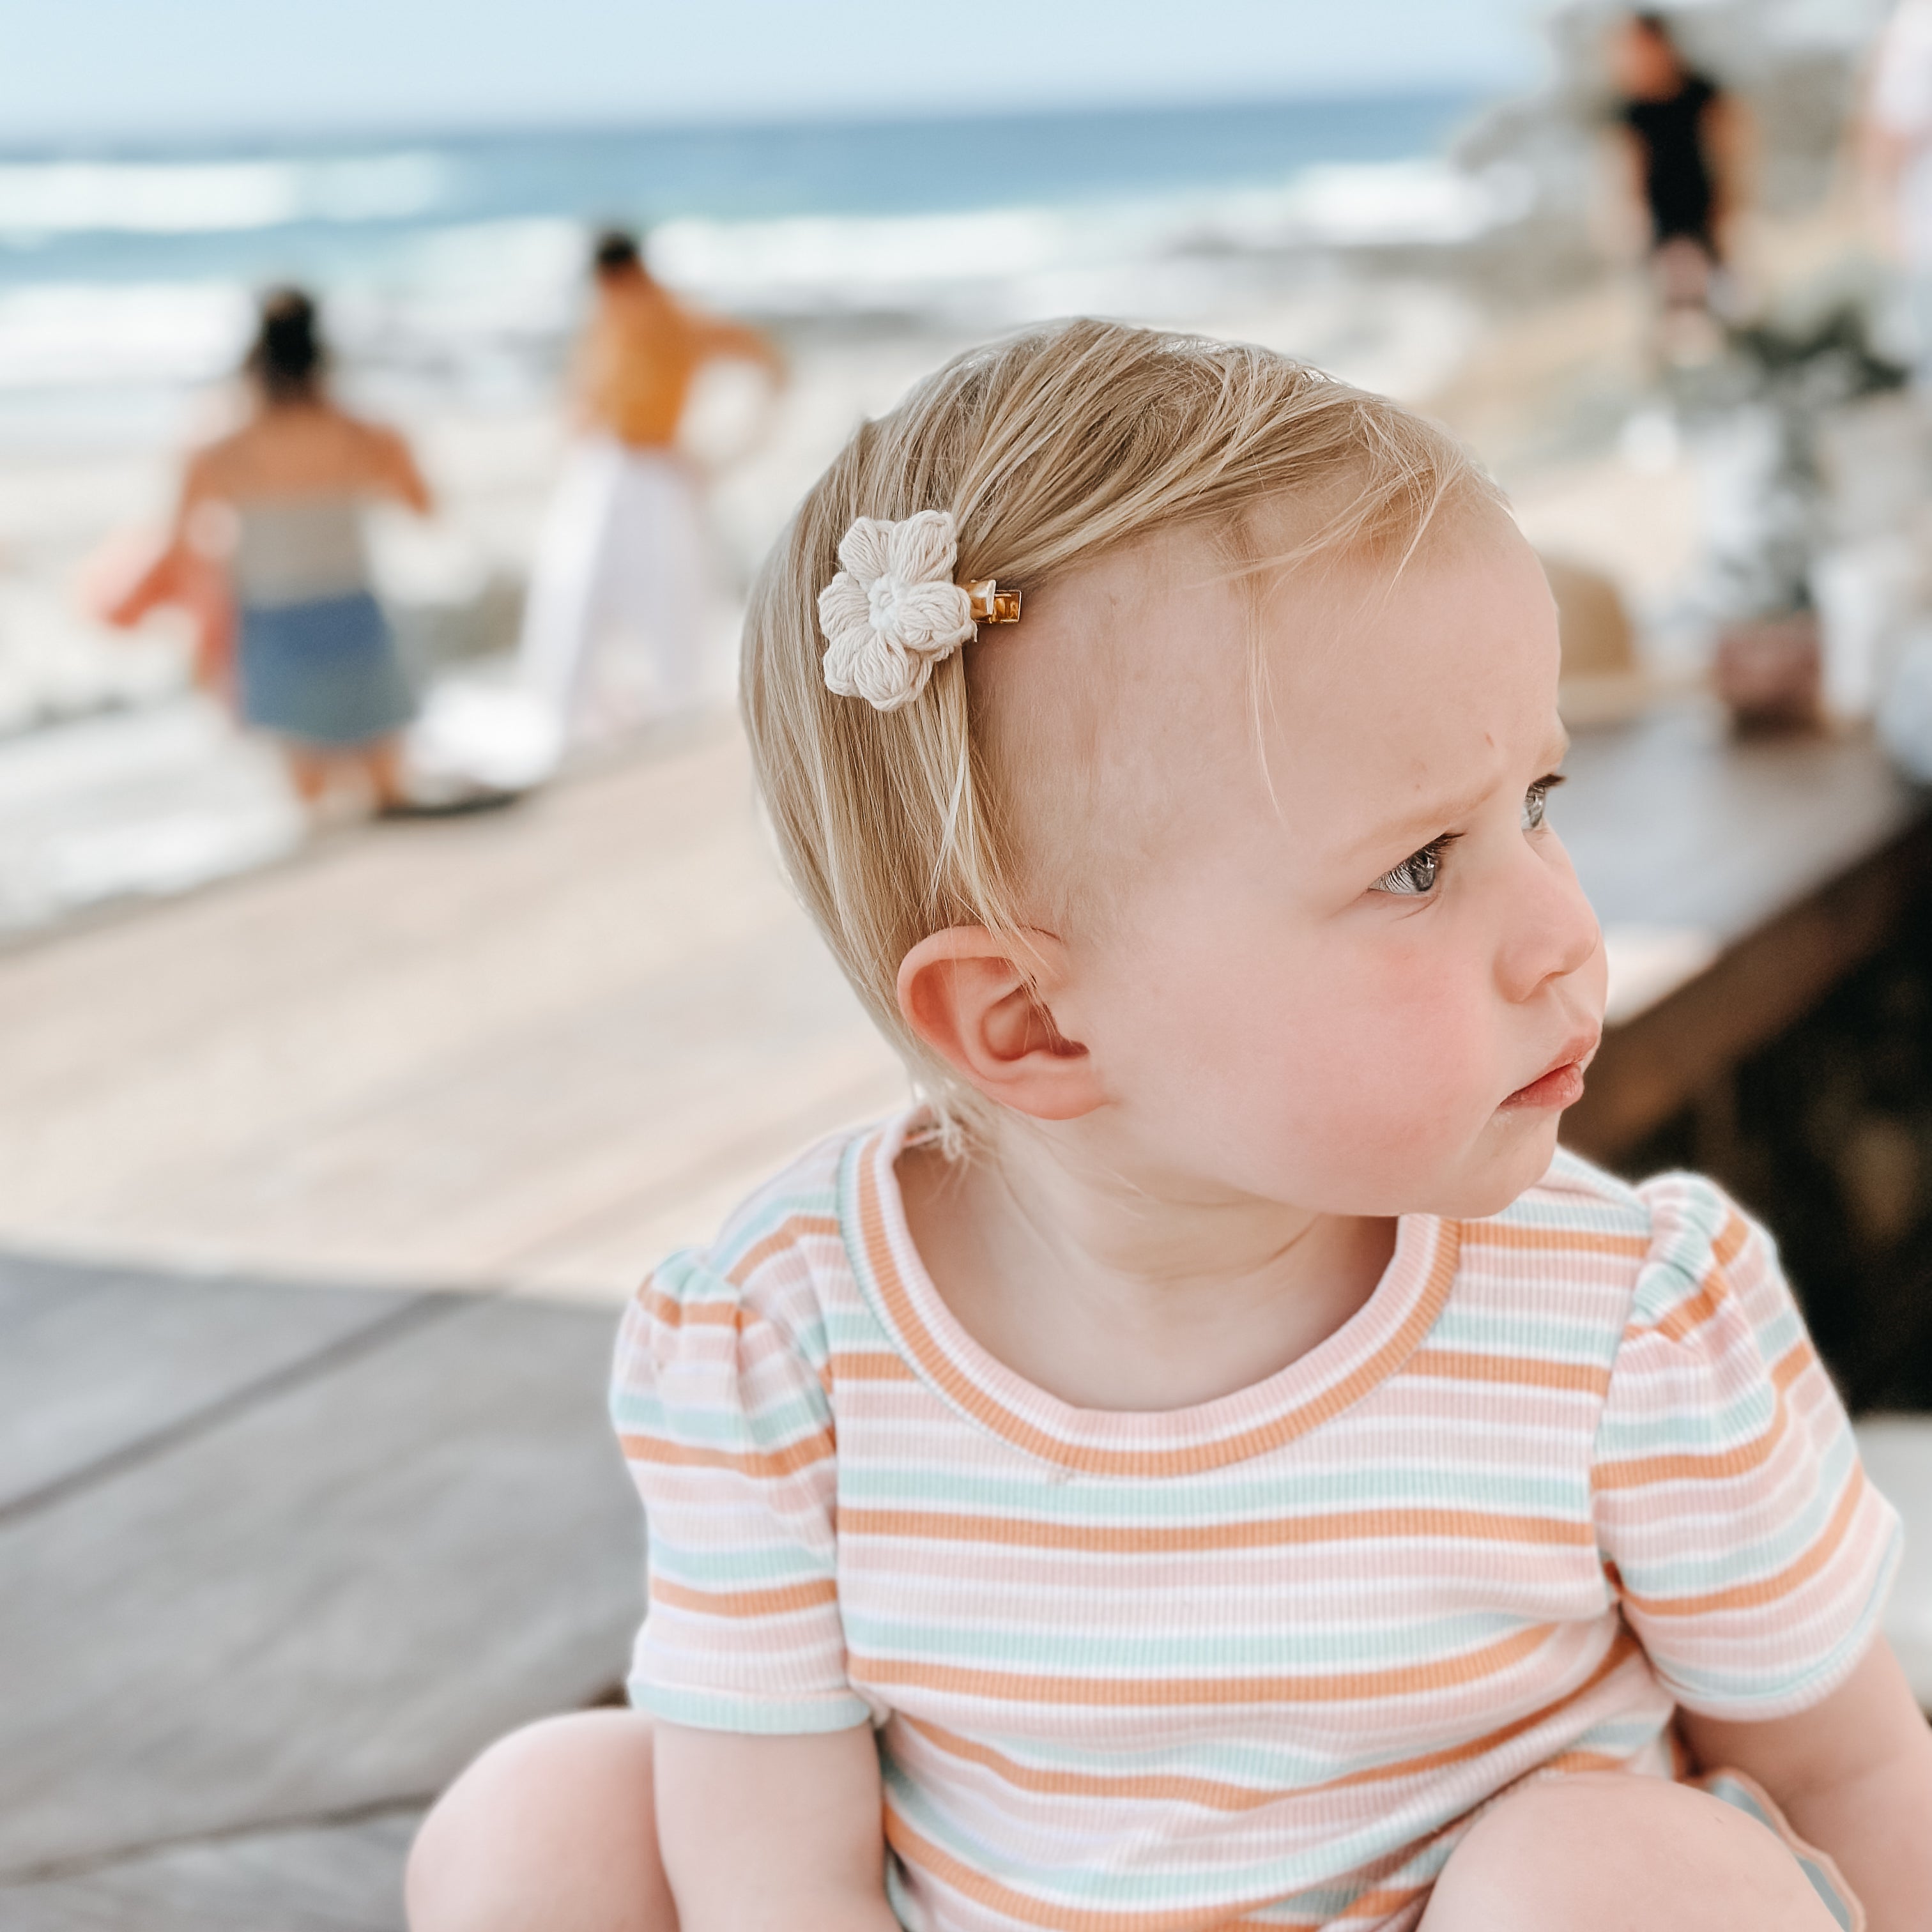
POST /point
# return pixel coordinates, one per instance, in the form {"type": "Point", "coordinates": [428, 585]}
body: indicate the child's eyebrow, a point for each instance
{"type": "Point", "coordinates": [1425, 821]}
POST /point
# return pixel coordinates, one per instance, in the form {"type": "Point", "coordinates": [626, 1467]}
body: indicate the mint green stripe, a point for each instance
{"type": "Point", "coordinates": [1580, 1344]}
{"type": "Point", "coordinates": [779, 1717]}
{"type": "Point", "coordinates": [1740, 1421]}
{"type": "Point", "coordinates": [855, 1328]}
{"type": "Point", "coordinates": [750, 1225]}
{"type": "Point", "coordinates": [1304, 1649]}
{"type": "Point", "coordinates": [764, 1563]}
{"type": "Point", "coordinates": [1728, 1693]}
{"type": "Point", "coordinates": [640, 1411]}
{"type": "Point", "coordinates": [1731, 1561]}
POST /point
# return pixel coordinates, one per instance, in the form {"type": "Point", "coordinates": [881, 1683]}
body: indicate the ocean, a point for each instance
{"type": "Point", "coordinates": [460, 256]}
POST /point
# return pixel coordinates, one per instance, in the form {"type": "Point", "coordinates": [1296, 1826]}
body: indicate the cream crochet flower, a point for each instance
{"type": "Point", "coordinates": [894, 611]}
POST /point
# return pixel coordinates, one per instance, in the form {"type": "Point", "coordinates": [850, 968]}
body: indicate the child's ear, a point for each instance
{"type": "Point", "coordinates": [967, 994]}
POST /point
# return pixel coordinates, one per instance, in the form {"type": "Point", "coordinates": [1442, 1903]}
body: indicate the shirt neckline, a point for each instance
{"type": "Point", "coordinates": [1370, 1346]}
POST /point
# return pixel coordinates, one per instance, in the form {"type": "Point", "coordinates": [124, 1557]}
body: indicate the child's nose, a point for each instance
{"type": "Point", "coordinates": [1551, 931]}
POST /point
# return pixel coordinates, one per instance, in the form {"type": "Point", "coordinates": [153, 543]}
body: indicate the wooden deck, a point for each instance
{"type": "Point", "coordinates": [538, 1048]}
{"type": "Point", "coordinates": [534, 1048]}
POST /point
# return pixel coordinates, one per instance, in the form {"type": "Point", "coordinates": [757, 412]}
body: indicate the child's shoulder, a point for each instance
{"type": "Point", "coordinates": [1666, 1238]}
{"type": "Point", "coordinates": [775, 1257]}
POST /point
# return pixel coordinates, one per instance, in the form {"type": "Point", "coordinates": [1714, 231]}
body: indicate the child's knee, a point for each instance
{"type": "Point", "coordinates": [554, 1825]}
{"type": "Point", "coordinates": [1616, 1850]}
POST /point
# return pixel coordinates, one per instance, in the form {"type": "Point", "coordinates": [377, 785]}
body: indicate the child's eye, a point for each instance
{"type": "Point", "coordinates": [1418, 875]}
{"type": "Point", "coordinates": [1535, 798]}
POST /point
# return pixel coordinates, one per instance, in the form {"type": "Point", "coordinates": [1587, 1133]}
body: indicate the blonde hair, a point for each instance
{"type": "Point", "coordinates": [1050, 447]}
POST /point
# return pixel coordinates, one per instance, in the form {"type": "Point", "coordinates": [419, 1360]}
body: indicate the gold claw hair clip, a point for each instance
{"type": "Point", "coordinates": [990, 604]}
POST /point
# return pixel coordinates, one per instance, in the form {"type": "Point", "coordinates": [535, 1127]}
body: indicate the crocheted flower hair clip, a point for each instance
{"type": "Point", "coordinates": [894, 611]}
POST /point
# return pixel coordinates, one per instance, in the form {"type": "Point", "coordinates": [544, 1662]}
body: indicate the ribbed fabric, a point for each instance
{"type": "Point", "coordinates": [1261, 1659]}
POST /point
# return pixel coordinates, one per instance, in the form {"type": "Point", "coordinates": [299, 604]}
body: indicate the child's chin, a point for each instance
{"type": "Point", "coordinates": [1518, 1164]}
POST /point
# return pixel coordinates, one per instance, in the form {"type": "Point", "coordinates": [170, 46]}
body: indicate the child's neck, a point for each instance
{"type": "Point", "coordinates": [1117, 1292]}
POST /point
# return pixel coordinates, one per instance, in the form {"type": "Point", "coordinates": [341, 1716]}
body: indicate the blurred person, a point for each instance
{"type": "Point", "coordinates": [1684, 141]}
{"type": "Point", "coordinates": [315, 663]}
{"type": "Point", "coordinates": [617, 624]}
{"type": "Point", "coordinates": [1896, 151]}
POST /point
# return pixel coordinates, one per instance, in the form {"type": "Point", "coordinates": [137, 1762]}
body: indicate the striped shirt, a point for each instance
{"type": "Point", "coordinates": [1261, 1659]}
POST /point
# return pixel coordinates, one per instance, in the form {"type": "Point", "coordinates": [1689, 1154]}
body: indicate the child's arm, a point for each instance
{"type": "Point", "coordinates": [772, 1834]}
{"type": "Point", "coordinates": [1854, 1776]}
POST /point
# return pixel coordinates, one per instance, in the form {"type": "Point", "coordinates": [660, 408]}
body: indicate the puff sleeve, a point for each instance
{"type": "Point", "coordinates": [728, 1433]}
{"type": "Point", "coordinates": [1751, 1555]}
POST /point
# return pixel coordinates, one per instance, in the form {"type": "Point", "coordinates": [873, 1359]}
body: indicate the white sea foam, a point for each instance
{"type": "Point", "coordinates": [843, 264]}
{"type": "Point", "coordinates": [451, 302]}
{"type": "Point", "coordinates": [60, 197]}
{"type": "Point", "coordinates": [93, 334]}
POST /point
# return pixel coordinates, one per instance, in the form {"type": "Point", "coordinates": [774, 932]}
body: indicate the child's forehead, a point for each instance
{"type": "Point", "coordinates": [1172, 680]}
{"type": "Point", "coordinates": [1139, 646]}
{"type": "Point", "coordinates": [1193, 629]}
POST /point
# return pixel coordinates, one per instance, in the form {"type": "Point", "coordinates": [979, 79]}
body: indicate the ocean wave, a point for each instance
{"type": "Point", "coordinates": [40, 199]}
{"type": "Point", "coordinates": [841, 263]}
{"type": "Point", "coordinates": [61, 335]}
{"type": "Point", "coordinates": [458, 296]}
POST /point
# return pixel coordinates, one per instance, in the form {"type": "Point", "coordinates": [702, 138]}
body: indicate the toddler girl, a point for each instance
{"type": "Point", "coordinates": [1214, 1461]}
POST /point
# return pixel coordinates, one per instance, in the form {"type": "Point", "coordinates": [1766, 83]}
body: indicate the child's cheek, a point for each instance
{"type": "Point", "coordinates": [1404, 1056]}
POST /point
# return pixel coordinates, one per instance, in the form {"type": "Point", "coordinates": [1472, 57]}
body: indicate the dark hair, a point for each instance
{"type": "Point", "coordinates": [288, 357]}
{"type": "Point", "coordinates": [615, 251]}
{"type": "Point", "coordinates": [1657, 26]}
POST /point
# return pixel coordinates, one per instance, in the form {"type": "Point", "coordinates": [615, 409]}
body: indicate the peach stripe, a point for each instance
{"type": "Point", "coordinates": [787, 1233]}
{"type": "Point", "coordinates": [920, 1853]}
{"type": "Point", "coordinates": [772, 1602]}
{"type": "Point", "coordinates": [1730, 1242]}
{"type": "Point", "coordinates": [1712, 1291]}
{"type": "Point", "coordinates": [1443, 1674]}
{"type": "Point", "coordinates": [1684, 1321]}
{"type": "Point", "coordinates": [1766, 1589]}
{"type": "Point", "coordinates": [1526, 1371]}
{"type": "Point", "coordinates": [1689, 1466]}
{"type": "Point", "coordinates": [1792, 1363]}
{"type": "Point", "coordinates": [871, 1365]}
{"type": "Point", "coordinates": [1317, 1409]}
{"type": "Point", "coordinates": [1564, 1240]}
{"type": "Point", "coordinates": [662, 1308]}
{"type": "Point", "coordinates": [732, 1314]}
{"type": "Point", "coordinates": [1379, 1904]}
{"type": "Point", "coordinates": [1716, 1465]}
{"type": "Point", "coordinates": [1261, 1533]}
{"type": "Point", "coordinates": [1584, 1760]}
{"type": "Point", "coordinates": [1213, 1795]}
{"type": "Point", "coordinates": [786, 1462]}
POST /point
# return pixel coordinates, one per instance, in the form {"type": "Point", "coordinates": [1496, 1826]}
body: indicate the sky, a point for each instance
{"type": "Point", "coordinates": [84, 72]}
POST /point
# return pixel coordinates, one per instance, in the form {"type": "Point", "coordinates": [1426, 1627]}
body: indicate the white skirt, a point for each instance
{"type": "Point", "coordinates": [621, 623]}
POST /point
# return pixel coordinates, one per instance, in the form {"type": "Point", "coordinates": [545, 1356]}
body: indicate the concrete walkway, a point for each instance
{"type": "Point", "coordinates": [275, 1562]}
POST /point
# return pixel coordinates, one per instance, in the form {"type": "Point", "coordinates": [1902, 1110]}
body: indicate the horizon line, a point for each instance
{"type": "Point", "coordinates": [155, 143]}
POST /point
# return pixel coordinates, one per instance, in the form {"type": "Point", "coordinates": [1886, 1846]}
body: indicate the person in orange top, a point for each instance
{"type": "Point", "coordinates": [615, 625]}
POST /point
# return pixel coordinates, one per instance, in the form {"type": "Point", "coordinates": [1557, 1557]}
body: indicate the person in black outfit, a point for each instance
{"type": "Point", "coordinates": [1683, 133]}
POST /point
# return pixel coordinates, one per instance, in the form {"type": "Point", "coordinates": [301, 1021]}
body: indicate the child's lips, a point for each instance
{"type": "Point", "coordinates": [1560, 1085]}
